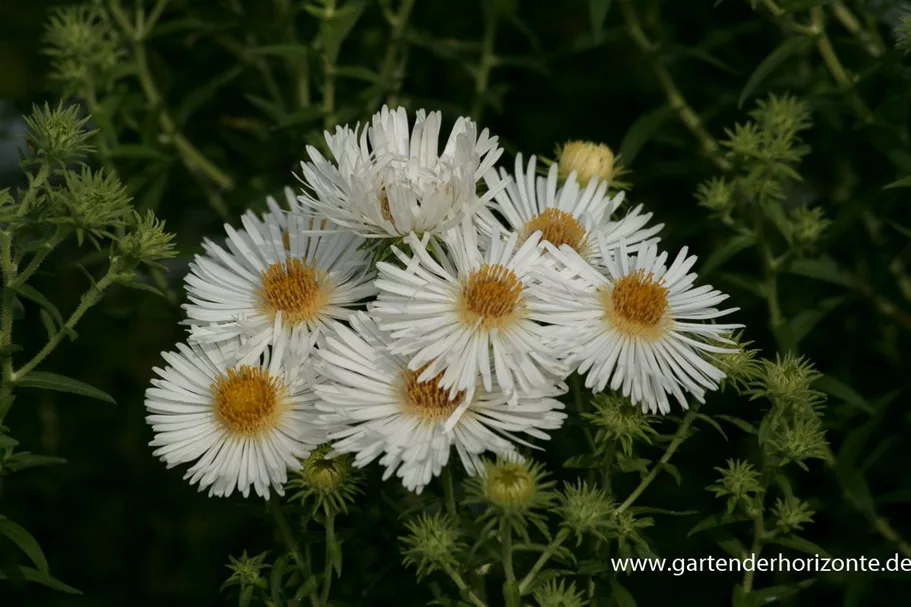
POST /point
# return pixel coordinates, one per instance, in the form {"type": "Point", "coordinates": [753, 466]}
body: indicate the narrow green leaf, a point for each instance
{"type": "Point", "coordinates": [707, 57]}
{"type": "Point", "coordinates": [712, 423]}
{"type": "Point", "coordinates": [7, 442]}
{"type": "Point", "coordinates": [725, 252]}
{"type": "Point", "coordinates": [846, 471]}
{"type": "Point", "coordinates": [597, 12]}
{"type": "Point", "coordinates": [787, 48]}
{"type": "Point", "coordinates": [138, 152]}
{"type": "Point", "coordinates": [196, 98]}
{"type": "Point", "coordinates": [672, 470]}
{"type": "Point", "coordinates": [620, 596]}
{"type": "Point", "coordinates": [715, 520]}
{"type": "Point", "coordinates": [806, 320]}
{"type": "Point", "coordinates": [764, 596]}
{"type": "Point", "coordinates": [33, 575]}
{"type": "Point", "coordinates": [24, 460]}
{"type": "Point", "coordinates": [52, 381]}
{"type": "Point", "coordinates": [35, 296]}
{"type": "Point", "coordinates": [651, 510]}
{"type": "Point", "coordinates": [293, 51]}
{"type": "Point", "coordinates": [356, 72]}
{"type": "Point", "coordinates": [641, 131]}
{"type": "Point", "coordinates": [904, 182]}
{"type": "Point", "coordinates": [306, 589]}
{"type": "Point", "coordinates": [336, 28]}
{"type": "Point", "coordinates": [822, 269]}
{"type": "Point", "coordinates": [801, 545]}
{"type": "Point", "coordinates": [6, 351]}
{"type": "Point", "coordinates": [49, 326]}
{"type": "Point", "coordinates": [730, 544]}
{"type": "Point", "coordinates": [22, 538]}
{"type": "Point", "coordinates": [749, 285]}
{"type": "Point", "coordinates": [841, 390]}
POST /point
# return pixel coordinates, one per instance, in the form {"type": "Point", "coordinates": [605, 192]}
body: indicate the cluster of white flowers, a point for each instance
{"type": "Point", "coordinates": [463, 339]}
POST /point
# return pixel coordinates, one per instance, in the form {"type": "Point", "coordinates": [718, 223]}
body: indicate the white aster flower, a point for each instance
{"type": "Point", "coordinates": [638, 326]}
{"type": "Point", "coordinates": [398, 183]}
{"type": "Point", "coordinates": [281, 263]}
{"type": "Point", "coordinates": [413, 425]}
{"type": "Point", "coordinates": [466, 315]}
{"type": "Point", "coordinates": [564, 214]}
{"type": "Point", "coordinates": [242, 422]}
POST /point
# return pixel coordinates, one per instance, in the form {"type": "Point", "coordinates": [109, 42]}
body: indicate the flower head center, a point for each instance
{"type": "Point", "coordinates": [427, 399]}
{"type": "Point", "coordinates": [637, 304]}
{"type": "Point", "coordinates": [558, 228]}
{"type": "Point", "coordinates": [296, 289]}
{"type": "Point", "coordinates": [248, 400]}
{"type": "Point", "coordinates": [492, 294]}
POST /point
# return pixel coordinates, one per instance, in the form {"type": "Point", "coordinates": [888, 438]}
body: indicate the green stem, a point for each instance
{"type": "Point", "coordinates": [830, 58]}
{"type": "Point", "coordinates": [192, 158]}
{"type": "Point", "coordinates": [449, 493]}
{"type": "Point", "coordinates": [542, 560]}
{"type": "Point", "coordinates": [675, 443]}
{"type": "Point", "coordinates": [482, 79]}
{"type": "Point", "coordinates": [6, 319]}
{"type": "Point", "coordinates": [329, 79]}
{"type": "Point", "coordinates": [153, 17]}
{"type": "Point", "coordinates": [89, 299]}
{"type": "Point", "coordinates": [455, 577]}
{"type": "Point", "coordinates": [330, 542]}
{"type": "Point", "coordinates": [850, 23]}
{"type": "Point", "coordinates": [388, 73]}
{"type": "Point", "coordinates": [759, 532]}
{"type": "Point", "coordinates": [39, 257]}
{"type": "Point", "coordinates": [685, 112]}
{"type": "Point", "coordinates": [291, 544]}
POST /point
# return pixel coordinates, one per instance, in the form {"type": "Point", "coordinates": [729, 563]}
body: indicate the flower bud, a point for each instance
{"type": "Point", "coordinates": [808, 225]}
{"type": "Point", "coordinates": [739, 482]}
{"type": "Point", "coordinates": [147, 242]}
{"type": "Point", "coordinates": [740, 367]}
{"type": "Point", "coordinates": [246, 571]}
{"type": "Point", "coordinates": [511, 486]}
{"type": "Point", "coordinates": [84, 48]}
{"type": "Point", "coordinates": [433, 542]}
{"type": "Point", "coordinates": [799, 437]}
{"type": "Point", "coordinates": [93, 202]}
{"type": "Point", "coordinates": [330, 482]}
{"type": "Point", "coordinates": [618, 420]}
{"type": "Point", "coordinates": [588, 160]}
{"type": "Point", "coordinates": [787, 382]}
{"type": "Point", "coordinates": [716, 195]}
{"type": "Point", "coordinates": [555, 593]}
{"type": "Point", "coordinates": [585, 510]}
{"type": "Point", "coordinates": [792, 514]}
{"type": "Point", "coordinates": [57, 134]}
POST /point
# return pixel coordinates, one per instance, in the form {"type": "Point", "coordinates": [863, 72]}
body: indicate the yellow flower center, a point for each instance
{"type": "Point", "coordinates": [296, 289]}
{"type": "Point", "coordinates": [559, 228]}
{"type": "Point", "coordinates": [492, 294]}
{"type": "Point", "coordinates": [427, 399]}
{"type": "Point", "coordinates": [248, 400]}
{"type": "Point", "coordinates": [637, 305]}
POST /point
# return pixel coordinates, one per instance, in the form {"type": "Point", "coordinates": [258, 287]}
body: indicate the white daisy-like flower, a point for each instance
{"type": "Point", "coordinates": [389, 180]}
{"type": "Point", "coordinates": [637, 326]}
{"type": "Point", "coordinates": [565, 214]}
{"type": "Point", "coordinates": [242, 422]}
{"type": "Point", "coordinates": [466, 315]}
{"type": "Point", "coordinates": [280, 263]}
{"type": "Point", "coordinates": [413, 425]}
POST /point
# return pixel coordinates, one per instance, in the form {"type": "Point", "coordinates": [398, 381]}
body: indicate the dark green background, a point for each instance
{"type": "Point", "coordinates": [117, 525]}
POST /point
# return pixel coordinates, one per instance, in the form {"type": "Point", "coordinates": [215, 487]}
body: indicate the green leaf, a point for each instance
{"type": "Point", "coordinates": [707, 57]}
{"type": "Point", "coordinates": [740, 423]}
{"type": "Point", "coordinates": [651, 510]}
{"type": "Point", "coordinates": [307, 588]}
{"type": "Point", "coordinates": [49, 326]}
{"type": "Point", "coordinates": [597, 12]}
{"type": "Point", "coordinates": [715, 520]}
{"type": "Point", "coordinates": [641, 131]}
{"type": "Point", "coordinates": [787, 48]}
{"type": "Point", "coordinates": [712, 423]}
{"type": "Point", "coordinates": [725, 252]}
{"type": "Point", "coordinates": [806, 320]}
{"type": "Point", "coordinates": [271, 110]}
{"type": "Point", "coordinates": [583, 461]}
{"type": "Point", "coordinates": [358, 73]}
{"type": "Point", "coordinates": [22, 538]}
{"type": "Point", "coordinates": [620, 596]}
{"type": "Point", "coordinates": [196, 98]}
{"type": "Point", "coordinates": [139, 152]}
{"type": "Point", "coordinates": [52, 381]}
{"type": "Point", "coordinates": [33, 575]}
{"type": "Point", "coordinates": [310, 114]}
{"type": "Point", "coordinates": [751, 286]}
{"type": "Point", "coordinates": [848, 474]}
{"type": "Point", "coordinates": [801, 545]}
{"type": "Point", "coordinates": [143, 286]}
{"type": "Point", "coordinates": [842, 391]}
{"type": "Point", "coordinates": [9, 350]}
{"type": "Point", "coordinates": [672, 470]}
{"type": "Point", "coordinates": [291, 51]}
{"type": "Point", "coordinates": [24, 460]}
{"type": "Point", "coordinates": [822, 269]}
{"type": "Point", "coordinates": [335, 558]}
{"type": "Point", "coordinates": [730, 544]}
{"type": "Point", "coordinates": [904, 182]}
{"type": "Point", "coordinates": [764, 596]}
{"type": "Point", "coordinates": [246, 595]}
{"type": "Point", "coordinates": [336, 26]}
{"type": "Point", "coordinates": [33, 295]}
{"type": "Point", "coordinates": [8, 442]}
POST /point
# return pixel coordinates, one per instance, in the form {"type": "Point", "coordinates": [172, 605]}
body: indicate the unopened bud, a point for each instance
{"type": "Point", "coordinates": [588, 160]}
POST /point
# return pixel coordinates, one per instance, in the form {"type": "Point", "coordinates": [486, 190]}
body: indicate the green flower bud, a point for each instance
{"type": "Point", "coordinates": [792, 514]}
{"type": "Point", "coordinates": [433, 542]}
{"type": "Point", "coordinates": [585, 510]}
{"type": "Point", "coordinates": [716, 195]}
{"type": "Point", "coordinates": [740, 367]}
{"type": "Point", "coordinates": [95, 203]}
{"type": "Point", "coordinates": [799, 437]}
{"type": "Point", "coordinates": [514, 490]}
{"type": "Point", "coordinates": [787, 382]}
{"type": "Point", "coordinates": [616, 420]}
{"type": "Point", "coordinates": [555, 593]}
{"type": "Point", "coordinates": [147, 242]}
{"type": "Point", "coordinates": [247, 571]}
{"type": "Point", "coordinates": [85, 49]}
{"type": "Point", "coordinates": [330, 483]}
{"type": "Point", "coordinates": [58, 134]}
{"type": "Point", "coordinates": [739, 482]}
{"type": "Point", "coordinates": [808, 225]}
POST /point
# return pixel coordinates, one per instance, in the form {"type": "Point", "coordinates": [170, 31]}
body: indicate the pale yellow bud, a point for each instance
{"type": "Point", "coordinates": [587, 159]}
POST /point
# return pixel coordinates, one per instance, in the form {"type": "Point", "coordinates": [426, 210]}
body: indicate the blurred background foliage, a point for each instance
{"type": "Point", "coordinates": [211, 109]}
